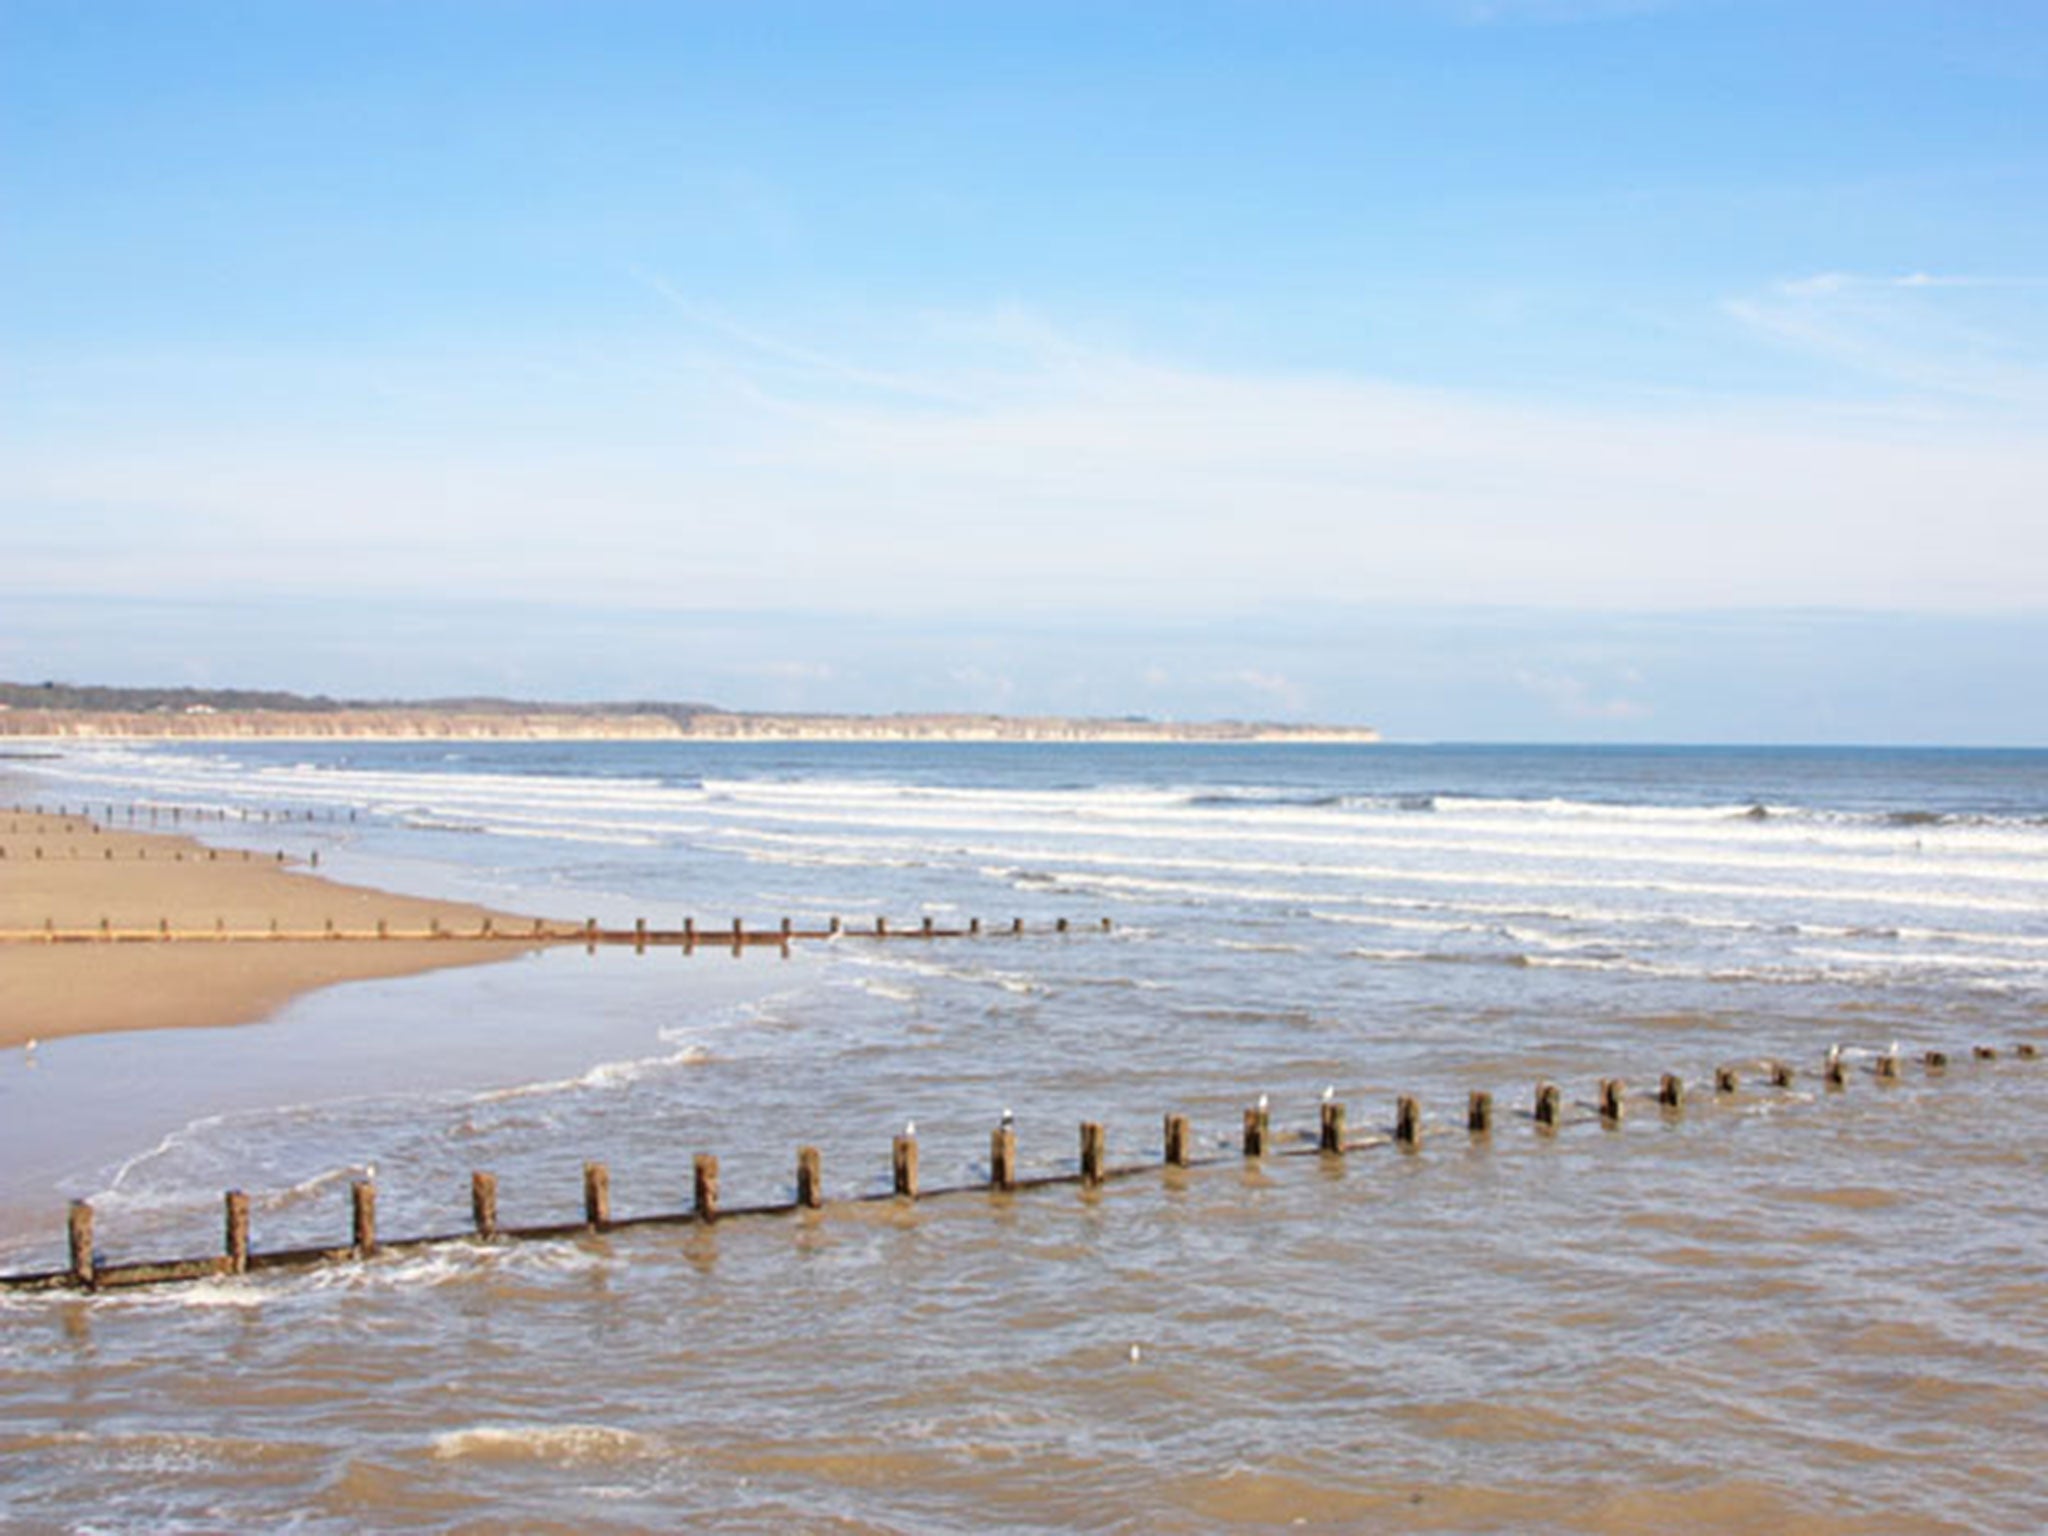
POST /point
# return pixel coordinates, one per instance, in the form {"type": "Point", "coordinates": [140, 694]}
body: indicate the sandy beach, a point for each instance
{"type": "Point", "coordinates": [110, 895]}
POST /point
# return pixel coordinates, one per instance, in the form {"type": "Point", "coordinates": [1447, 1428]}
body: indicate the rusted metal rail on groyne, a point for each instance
{"type": "Point", "coordinates": [1547, 1114]}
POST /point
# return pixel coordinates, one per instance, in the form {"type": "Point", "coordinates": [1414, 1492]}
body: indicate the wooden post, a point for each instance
{"type": "Point", "coordinates": [1725, 1079]}
{"type": "Point", "coordinates": [705, 1179]}
{"type": "Point", "coordinates": [362, 1199]}
{"type": "Point", "coordinates": [974, 927]}
{"type": "Point", "coordinates": [903, 1165]}
{"type": "Point", "coordinates": [739, 935]}
{"type": "Point", "coordinates": [1002, 1157]}
{"type": "Point", "coordinates": [1176, 1141]}
{"type": "Point", "coordinates": [1017, 926]}
{"type": "Point", "coordinates": [1108, 926]}
{"type": "Point", "coordinates": [79, 1231]}
{"type": "Point", "coordinates": [1094, 1152]}
{"type": "Point", "coordinates": [2026, 1050]}
{"type": "Point", "coordinates": [788, 932]}
{"type": "Point", "coordinates": [483, 1204]}
{"type": "Point", "coordinates": [836, 927]}
{"type": "Point", "coordinates": [1256, 1126]}
{"type": "Point", "coordinates": [1610, 1100]}
{"type": "Point", "coordinates": [1984, 1052]}
{"type": "Point", "coordinates": [1331, 1137]}
{"type": "Point", "coordinates": [928, 925]}
{"type": "Point", "coordinates": [1479, 1112]}
{"type": "Point", "coordinates": [590, 935]}
{"type": "Point", "coordinates": [383, 928]}
{"type": "Point", "coordinates": [597, 1196]}
{"type": "Point", "coordinates": [1935, 1061]}
{"type": "Point", "coordinates": [1060, 925]}
{"type": "Point", "coordinates": [1546, 1105]}
{"type": "Point", "coordinates": [639, 935]}
{"type": "Point", "coordinates": [1782, 1075]}
{"type": "Point", "coordinates": [810, 1186]}
{"type": "Point", "coordinates": [1836, 1070]}
{"type": "Point", "coordinates": [235, 1232]}
{"type": "Point", "coordinates": [1407, 1120]}
{"type": "Point", "coordinates": [1888, 1067]}
{"type": "Point", "coordinates": [1671, 1091]}
{"type": "Point", "coordinates": [881, 927]}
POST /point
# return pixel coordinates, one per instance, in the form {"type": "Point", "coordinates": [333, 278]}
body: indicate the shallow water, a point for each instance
{"type": "Point", "coordinates": [1807, 1309]}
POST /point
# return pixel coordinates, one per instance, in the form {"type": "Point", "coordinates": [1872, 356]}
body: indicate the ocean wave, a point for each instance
{"type": "Point", "coordinates": [566, 1443]}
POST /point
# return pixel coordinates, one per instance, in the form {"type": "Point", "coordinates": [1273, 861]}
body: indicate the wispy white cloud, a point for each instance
{"type": "Point", "coordinates": [998, 463]}
{"type": "Point", "coordinates": [1945, 337]}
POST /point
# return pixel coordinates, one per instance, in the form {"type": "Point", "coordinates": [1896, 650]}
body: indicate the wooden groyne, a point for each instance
{"type": "Point", "coordinates": [1548, 1114]}
{"type": "Point", "coordinates": [77, 837]}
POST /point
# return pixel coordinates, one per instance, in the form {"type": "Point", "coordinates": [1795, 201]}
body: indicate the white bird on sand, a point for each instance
{"type": "Point", "coordinates": [29, 1047]}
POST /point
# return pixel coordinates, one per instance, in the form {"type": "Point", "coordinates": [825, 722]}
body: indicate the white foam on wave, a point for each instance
{"type": "Point", "coordinates": [569, 1443]}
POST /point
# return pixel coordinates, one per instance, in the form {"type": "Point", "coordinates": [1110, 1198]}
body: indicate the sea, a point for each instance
{"type": "Point", "coordinates": [1810, 1308]}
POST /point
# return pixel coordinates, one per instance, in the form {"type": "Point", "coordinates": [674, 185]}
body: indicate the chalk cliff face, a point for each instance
{"type": "Point", "coordinates": [541, 724]}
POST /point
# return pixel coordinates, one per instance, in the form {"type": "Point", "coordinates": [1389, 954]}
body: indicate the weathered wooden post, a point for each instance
{"type": "Point", "coordinates": [1546, 1105]}
{"type": "Point", "coordinates": [235, 1232]}
{"type": "Point", "coordinates": [810, 1183]}
{"type": "Point", "coordinates": [362, 1199]}
{"type": "Point", "coordinates": [1671, 1091]}
{"type": "Point", "coordinates": [974, 927]}
{"type": "Point", "coordinates": [1256, 1126]}
{"type": "Point", "coordinates": [483, 1204]}
{"type": "Point", "coordinates": [689, 935]}
{"type": "Point", "coordinates": [1094, 1152]}
{"type": "Point", "coordinates": [903, 1164]}
{"type": "Point", "coordinates": [835, 927]}
{"type": "Point", "coordinates": [1108, 926]}
{"type": "Point", "coordinates": [1782, 1075]}
{"type": "Point", "coordinates": [1935, 1061]}
{"type": "Point", "coordinates": [590, 935]}
{"type": "Point", "coordinates": [1017, 926]}
{"type": "Point", "coordinates": [1888, 1067]}
{"type": "Point", "coordinates": [597, 1196]}
{"type": "Point", "coordinates": [1176, 1141]}
{"type": "Point", "coordinates": [1060, 925]}
{"type": "Point", "coordinates": [929, 926]}
{"type": "Point", "coordinates": [704, 1170]}
{"type": "Point", "coordinates": [881, 927]}
{"type": "Point", "coordinates": [1407, 1120]}
{"type": "Point", "coordinates": [1835, 1071]}
{"type": "Point", "coordinates": [78, 1229]}
{"type": "Point", "coordinates": [1610, 1100]}
{"type": "Point", "coordinates": [383, 928]}
{"type": "Point", "coordinates": [2026, 1050]}
{"type": "Point", "coordinates": [739, 935]}
{"type": "Point", "coordinates": [1984, 1052]}
{"type": "Point", "coordinates": [1331, 1135]}
{"type": "Point", "coordinates": [788, 931]}
{"type": "Point", "coordinates": [1002, 1156]}
{"type": "Point", "coordinates": [639, 935]}
{"type": "Point", "coordinates": [1479, 1112]}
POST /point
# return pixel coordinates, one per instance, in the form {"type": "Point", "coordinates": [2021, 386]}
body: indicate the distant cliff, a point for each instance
{"type": "Point", "coordinates": [62, 710]}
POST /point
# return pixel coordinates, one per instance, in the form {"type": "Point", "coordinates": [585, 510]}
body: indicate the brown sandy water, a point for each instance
{"type": "Point", "coordinates": [1801, 1310]}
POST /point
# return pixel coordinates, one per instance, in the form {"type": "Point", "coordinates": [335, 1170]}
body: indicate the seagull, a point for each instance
{"type": "Point", "coordinates": [370, 1172]}
{"type": "Point", "coordinates": [1008, 1118]}
{"type": "Point", "coordinates": [1263, 1102]}
{"type": "Point", "coordinates": [1329, 1092]}
{"type": "Point", "coordinates": [1134, 1354]}
{"type": "Point", "coordinates": [1834, 1054]}
{"type": "Point", "coordinates": [910, 1127]}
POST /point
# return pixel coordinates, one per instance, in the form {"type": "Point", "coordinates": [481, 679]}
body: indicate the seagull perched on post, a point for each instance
{"type": "Point", "coordinates": [1263, 1101]}
{"type": "Point", "coordinates": [1008, 1118]}
{"type": "Point", "coordinates": [910, 1127]}
{"type": "Point", "coordinates": [1329, 1092]}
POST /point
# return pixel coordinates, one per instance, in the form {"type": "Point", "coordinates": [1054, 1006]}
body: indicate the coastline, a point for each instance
{"type": "Point", "coordinates": [131, 886]}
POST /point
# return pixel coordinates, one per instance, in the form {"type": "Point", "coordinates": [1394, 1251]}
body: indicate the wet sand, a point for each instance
{"type": "Point", "coordinates": [67, 876]}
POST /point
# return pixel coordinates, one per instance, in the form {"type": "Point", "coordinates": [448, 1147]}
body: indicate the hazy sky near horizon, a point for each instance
{"type": "Point", "coordinates": [1579, 369]}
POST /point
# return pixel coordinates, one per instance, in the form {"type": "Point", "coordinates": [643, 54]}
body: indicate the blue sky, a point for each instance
{"type": "Point", "coordinates": [1546, 370]}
